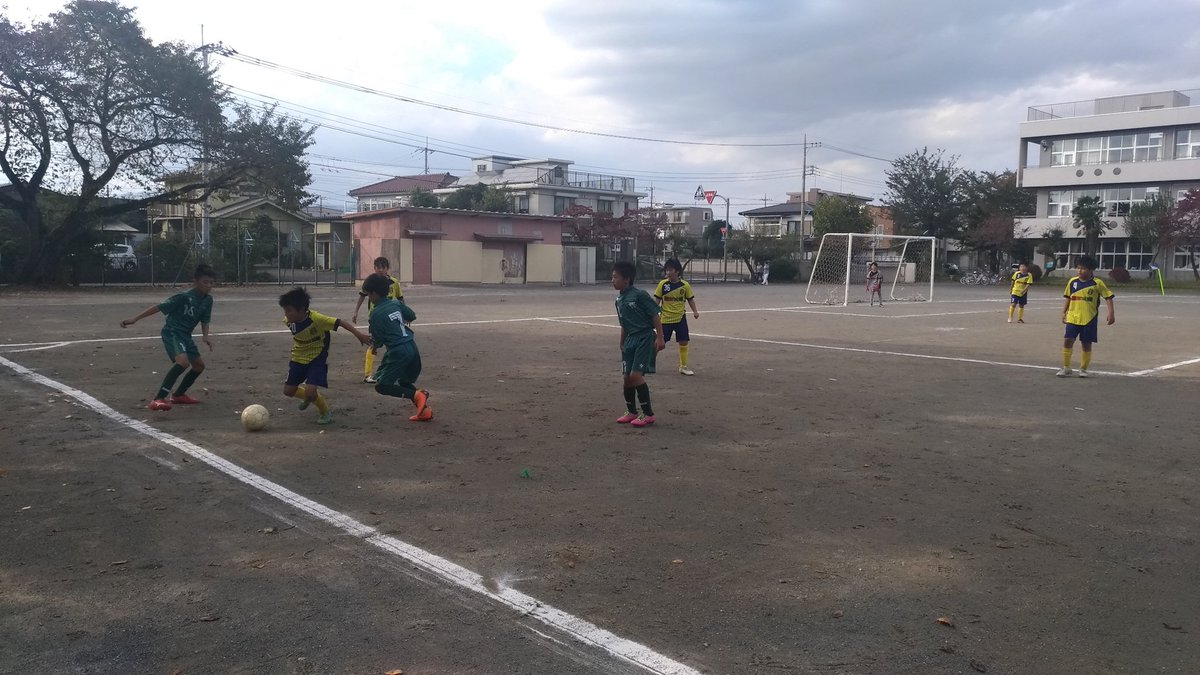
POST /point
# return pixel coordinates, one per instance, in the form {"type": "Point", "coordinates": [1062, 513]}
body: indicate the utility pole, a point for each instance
{"type": "Point", "coordinates": [205, 226]}
{"type": "Point", "coordinates": [804, 185]}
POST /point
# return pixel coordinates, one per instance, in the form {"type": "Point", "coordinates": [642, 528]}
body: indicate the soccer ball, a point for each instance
{"type": "Point", "coordinates": [254, 417]}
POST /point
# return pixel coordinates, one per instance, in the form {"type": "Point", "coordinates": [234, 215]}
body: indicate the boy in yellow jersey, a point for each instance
{"type": "Point", "coordinates": [309, 364]}
{"type": "Point", "coordinates": [1081, 313]}
{"type": "Point", "coordinates": [671, 293]}
{"type": "Point", "coordinates": [1021, 281]}
{"type": "Point", "coordinates": [395, 292]}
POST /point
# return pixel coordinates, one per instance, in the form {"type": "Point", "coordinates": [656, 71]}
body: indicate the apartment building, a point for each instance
{"type": "Point", "coordinates": [548, 187]}
{"type": "Point", "coordinates": [687, 220]}
{"type": "Point", "coordinates": [1122, 149]}
{"type": "Point", "coordinates": [396, 192]}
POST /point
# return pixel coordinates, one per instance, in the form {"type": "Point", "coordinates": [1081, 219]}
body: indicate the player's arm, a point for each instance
{"type": "Point", "coordinates": [357, 306]}
{"type": "Point", "coordinates": [659, 343]}
{"type": "Point", "coordinates": [1066, 307]}
{"type": "Point", "coordinates": [353, 330]}
{"type": "Point", "coordinates": [152, 309]}
{"type": "Point", "coordinates": [1112, 317]}
{"type": "Point", "coordinates": [695, 312]}
{"type": "Point", "coordinates": [204, 331]}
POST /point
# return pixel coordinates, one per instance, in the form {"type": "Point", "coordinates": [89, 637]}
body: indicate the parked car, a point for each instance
{"type": "Point", "coordinates": [120, 256]}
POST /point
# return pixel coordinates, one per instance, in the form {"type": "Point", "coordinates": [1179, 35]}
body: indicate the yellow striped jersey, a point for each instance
{"type": "Point", "coordinates": [1021, 283]}
{"type": "Point", "coordinates": [674, 298]}
{"type": "Point", "coordinates": [394, 291]}
{"type": "Point", "coordinates": [1085, 299]}
{"type": "Point", "coordinates": [310, 337]}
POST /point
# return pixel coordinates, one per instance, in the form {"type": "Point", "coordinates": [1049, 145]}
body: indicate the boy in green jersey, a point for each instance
{"type": "Point", "coordinates": [183, 311]}
{"type": "Point", "coordinates": [641, 341]}
{"type": "Point", "coordinates": [401, 365]}
{"type": "Point", "coordinates": [395, 291]}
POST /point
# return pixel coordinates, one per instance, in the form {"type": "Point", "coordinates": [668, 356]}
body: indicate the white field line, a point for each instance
{"type": "Point", "coordinates": [860, 350]}
{"type": "Point", "coordinates": [451, 573]}
{"type": "Point", "coordinates": [1151, 371]}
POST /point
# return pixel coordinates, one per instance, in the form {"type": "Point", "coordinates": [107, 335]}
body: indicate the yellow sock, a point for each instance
{"type": "Point", "coordinates": [1087, 361]}
{"type": "Point", "coordinates": [1066, 357]}
{"type": "Point", "coordinates": [369, 366]}
{"type": "Point", "coordinates": [299, 394]}
{"type": "Point", "coordinates": [1010, 311]}
{"type": "Point", "coordinates": [322, 404]}
{"type": "Point", "coordinates": [1021, 313]}
{"type": "Point", "coordinates": [683, 351]}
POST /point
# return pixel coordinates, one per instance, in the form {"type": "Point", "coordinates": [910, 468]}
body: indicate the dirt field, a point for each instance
{"type": "Point", "coordinates": [837, 490]}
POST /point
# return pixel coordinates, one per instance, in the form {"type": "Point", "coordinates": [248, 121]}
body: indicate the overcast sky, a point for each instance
{"type": "Point", "coordinates": [877, 77]}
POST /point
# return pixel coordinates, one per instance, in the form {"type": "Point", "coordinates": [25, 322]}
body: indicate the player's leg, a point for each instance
{"type": "Point", "coordinates": [176, 351]}
{"type": "Point", "coordinates": [1021, 309]}
{"type": "Point", "coordinates": [628, 383]}
{"type": "Point", "coordinates": [643, 364]}
{"type": "Point", "coordinates": [684, 339]}
{"type": "Point", "coordinates": [1012, 308]}
{"type": "Point", "coordinates": [1072, 332]}
{"type": "Point", "coordinates": [195, 367]}
{"type": "Point", "coordinates": [369, 367]}
{"type": "Point", "coordinates": [1087, 338]}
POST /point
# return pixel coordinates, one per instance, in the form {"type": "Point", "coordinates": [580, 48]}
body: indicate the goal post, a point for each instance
{"type": "Point", "coordinates": [843, 259]}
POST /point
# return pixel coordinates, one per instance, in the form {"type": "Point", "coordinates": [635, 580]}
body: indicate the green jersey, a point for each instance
{"type": "Point", "coordinates": [389, 323]}
{"type": "Point", "coordinates": [636, 311]}
{"type": "Point", "coordinates": [185, 310]}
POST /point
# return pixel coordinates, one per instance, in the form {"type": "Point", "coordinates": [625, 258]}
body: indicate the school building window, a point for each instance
{"type": "Point", "coordinates": [1186, 258]}
{"type": "Point", "coordinates": [1132, 255]}
{"type": "Point", "coordinates": [1187, 143]}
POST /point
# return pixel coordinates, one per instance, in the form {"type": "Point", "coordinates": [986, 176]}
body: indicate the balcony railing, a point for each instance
{"type": "Point", "coordinates": [584, 180]}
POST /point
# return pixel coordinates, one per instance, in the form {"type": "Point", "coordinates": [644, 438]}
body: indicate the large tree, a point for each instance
{"type": "Point", "coordinates": [924, 194]}
{"type": "Point", "coordinates": [90, 107]}
{"type": "Point", "coordinates": [1150, 223]}
{"type": "Point", "coordinates": [1185, 228]}
{"type": "Point", "coordinates": [835, 214]}
{"type": "Point", "coordinates": [991, 204]}
{"type": "Point", "coordinates": [1088, 216]}
{"type": "Point", "coordinates": [479, 197]}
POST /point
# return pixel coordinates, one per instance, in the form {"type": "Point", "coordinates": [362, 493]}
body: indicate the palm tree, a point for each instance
{"type": "Point", "coordinates": [1088, 215]}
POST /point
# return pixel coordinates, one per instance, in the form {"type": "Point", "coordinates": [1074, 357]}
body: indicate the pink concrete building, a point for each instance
{"type": "Point", "coordinates": [436, 245]}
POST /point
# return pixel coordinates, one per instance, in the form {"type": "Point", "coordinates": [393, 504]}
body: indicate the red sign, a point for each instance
{"type": "Point", "coordinates": [709, 194]}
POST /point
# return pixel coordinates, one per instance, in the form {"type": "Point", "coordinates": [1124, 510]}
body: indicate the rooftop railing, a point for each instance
{"type": "Point", "coordinates": [1115, 104]}
{"type": "Point", "coordinates": [590, 181]}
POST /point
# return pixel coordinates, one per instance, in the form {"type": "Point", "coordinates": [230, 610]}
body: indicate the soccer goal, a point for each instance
{"type": "Point", "coordinates": [839, 273]}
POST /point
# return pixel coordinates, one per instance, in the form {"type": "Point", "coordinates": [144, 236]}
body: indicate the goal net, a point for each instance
{"type": "Point", "coordinates": [839, 273]}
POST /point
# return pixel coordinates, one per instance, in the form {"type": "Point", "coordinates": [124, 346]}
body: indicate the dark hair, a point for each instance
{"type": "Point", "coordinates": [297, 298]}
{"type": "Point", "coordinates": [205, 270]}
{"type": "Point", "coordinates": [383, 262]}
{"type": "Point", "coordinates": [1086, 262]}
{"type": "Point", "coordinates": [625, 269]}
{"type": "Point", "coordinates": [673, 264]}
{"type": "Point", "coordinates": [376, 283]}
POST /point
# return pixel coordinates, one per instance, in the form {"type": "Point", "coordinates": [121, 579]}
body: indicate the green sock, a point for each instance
{"type": "Point", "coordinates": [173, 374]}
{"type": "Point", "coordinates": [188, 380]}
{"type": "Point", "coordinates": [630, 403]}
{"type": "Point", "coordinates": [643, 392]}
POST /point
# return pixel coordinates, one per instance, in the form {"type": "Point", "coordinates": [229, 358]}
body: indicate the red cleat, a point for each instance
{"type": "Point", "coordinates": [183, 399]}
{"type": "Point", "coordinates": [159, 404]}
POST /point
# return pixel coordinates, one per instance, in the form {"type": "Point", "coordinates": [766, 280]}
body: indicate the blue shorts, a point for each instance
{"type": "Point", "coordinates": [679, 330]}
{"type": "Point", "coordinates": [1087, 334]}
{"type": "Point", "coordinates": [177, 343]}
{"type": "Point", "coordinates": [1020, 300]}
{"type": "Point", "coordinates": [638, 354]}
{"type": "Point", "coordinates": [315, 373]}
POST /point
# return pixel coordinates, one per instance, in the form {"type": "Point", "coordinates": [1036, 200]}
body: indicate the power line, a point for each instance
{"type": "Point", "coordinates": [251, 60]}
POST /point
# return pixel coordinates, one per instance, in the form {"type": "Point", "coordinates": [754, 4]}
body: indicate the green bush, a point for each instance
{"type": "Point", "coordinates": [1036, 271]}
{"type": "Point", "coordinates": [784, 270]}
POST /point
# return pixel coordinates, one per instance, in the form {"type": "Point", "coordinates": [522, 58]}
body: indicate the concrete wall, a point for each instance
{"type": "Point", "coordinates": [457, 262]}
{"type": "Point", "coordinates": [543, 263]}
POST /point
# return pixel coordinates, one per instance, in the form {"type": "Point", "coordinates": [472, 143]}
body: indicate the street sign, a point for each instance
{"type": "Point", "coordinates": [699, 192]}
{"type": "Point", "coordinates": [722, 234]}
{"type": "Point", "coordinates": [709, 195]}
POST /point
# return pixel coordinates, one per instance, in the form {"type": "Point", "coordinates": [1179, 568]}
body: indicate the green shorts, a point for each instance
{"type": "Point", "coordinates": [401, 365]}
{"type": "Point", "coordinates": [638, 354]}
{"type": "Point", "coordinates": [177, 343]}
